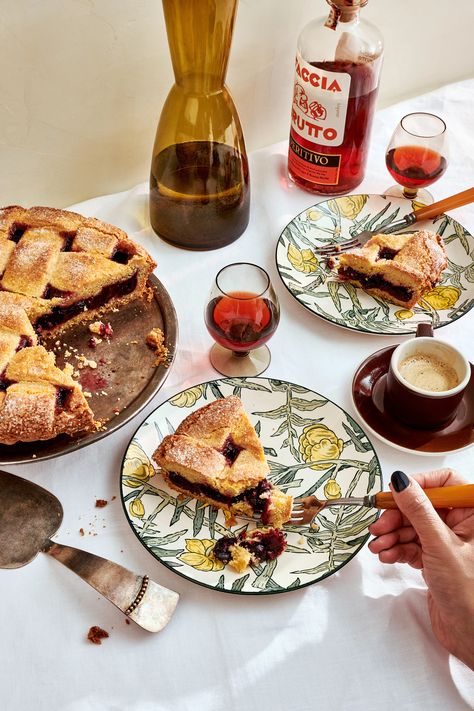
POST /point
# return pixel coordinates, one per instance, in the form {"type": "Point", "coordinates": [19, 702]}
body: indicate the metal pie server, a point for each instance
{"type": "Point", "coordinates": [30, 515]}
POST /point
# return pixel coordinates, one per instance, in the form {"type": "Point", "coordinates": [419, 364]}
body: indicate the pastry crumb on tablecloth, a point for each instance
{"type": "Point", "coordinates": [97, 634]}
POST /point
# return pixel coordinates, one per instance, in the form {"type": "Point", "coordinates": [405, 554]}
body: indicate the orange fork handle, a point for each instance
{"type": "Point", "coordinates": [442, 497]}
{"type": "Point", "coordinates": [437, 208]}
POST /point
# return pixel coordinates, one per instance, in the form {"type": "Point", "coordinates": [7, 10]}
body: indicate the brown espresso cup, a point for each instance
{"type": "Point", "coordinates": [426, 381]}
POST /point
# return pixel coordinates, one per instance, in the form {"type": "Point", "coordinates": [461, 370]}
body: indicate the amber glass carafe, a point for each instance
{"type": "Point", "coordinates": [199, 182]}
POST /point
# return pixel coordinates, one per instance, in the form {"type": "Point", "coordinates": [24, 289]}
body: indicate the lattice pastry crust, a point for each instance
{"type": "Point", "coordinates": [57, 268]}
{"type": "Point", "coordinates": [216, 456]}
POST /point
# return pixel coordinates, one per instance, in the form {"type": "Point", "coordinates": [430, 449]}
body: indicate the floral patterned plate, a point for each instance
{"type": "Point", "coordinates": [308, 278]}
{"type": "Point", "coordinates": [312, 446]}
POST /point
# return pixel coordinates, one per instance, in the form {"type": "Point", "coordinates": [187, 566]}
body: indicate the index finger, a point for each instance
{"type": "Point", "coordinates": [439, 477]}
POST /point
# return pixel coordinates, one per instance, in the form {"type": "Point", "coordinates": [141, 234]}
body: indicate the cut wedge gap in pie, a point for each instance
{"type": "Point", "coordinates": [399, 268]}
{"type": "Point", "coordinates": [215, 456]}
{"type": "Point", "coordinates": [57, 268]}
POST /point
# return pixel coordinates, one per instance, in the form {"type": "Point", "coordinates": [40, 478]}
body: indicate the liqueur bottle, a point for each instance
{"type": "Point", "coordinates": [338, 62]}
{"type": "Point", "coordinates": [199, 182]}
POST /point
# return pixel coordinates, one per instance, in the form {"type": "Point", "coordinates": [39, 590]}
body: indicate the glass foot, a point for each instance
{"type": "Point", "coordinates": [227, 363]}
{"type": "Point", "coordinates": [420, 196]}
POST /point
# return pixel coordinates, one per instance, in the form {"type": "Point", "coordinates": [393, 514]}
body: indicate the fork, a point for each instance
{"type": "Point", "coordinates": [423, 213]}
{"type": "Point", "coordinates": [305, 509]}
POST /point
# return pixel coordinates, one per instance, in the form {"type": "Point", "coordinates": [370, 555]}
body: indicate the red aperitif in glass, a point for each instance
{"type": "Point", "coordinates": [241, 314]}
{"type": "Point", "coordinates": [241, 320]}
{"type": "Point", "coordinates": [415, 166]}
{"type": "Point", "coordinates": [417, 155]}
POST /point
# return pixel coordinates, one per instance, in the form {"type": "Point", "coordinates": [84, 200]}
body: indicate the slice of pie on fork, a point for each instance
{"type": "Point", "coordinates": [216, 457]}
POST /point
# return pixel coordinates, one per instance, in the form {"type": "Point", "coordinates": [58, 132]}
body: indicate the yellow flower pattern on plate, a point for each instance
{"type": "Point", "coordinates": [187, 398]}
{"type": "Point", "coordinates": [349, 206]}
{"type": "Point", "coordinates": [442, 297]}
{"type": "Point", "coordinates": [403, 314]}
{"type": "Point", "coordinates": [137, 467]}
{"type": "Point", "coordinates": [318, 444]}
{"type": "Point", "coordinates": [199, 555]}
{"type": "Point", "coordinates": [332, 490]}
{"type": "Point", "coordinates": [303, 260]}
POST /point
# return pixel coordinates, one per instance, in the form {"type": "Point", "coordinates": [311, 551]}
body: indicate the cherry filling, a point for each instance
{"type": "Point", "coordinates": [376, 281]}
{"type": "Point", "coordinates": [62, 397]}
{"type": "Point", "coordinates": [250, 496]}
{"type": "Point", "coordinates": [230, 450]}
{"type": "Point", "coordinates": [60, 314]}
{"type": "Point", "coordinates": [121, 255]}
{"type": "Point", "coordinates": [68, 240]}
{"type": "Point", "coordinates": [387, 253]}
{"type": "Point", "coordinates": [25, 342]}
{"type": "Point", "coordinates": [51, 292]}
{"type": "Point", "coordinates": [263, 545]}
{"type": "Point", "coordinates": [4, 382]}
{"type": "Point", "coordinates": [16, 231]}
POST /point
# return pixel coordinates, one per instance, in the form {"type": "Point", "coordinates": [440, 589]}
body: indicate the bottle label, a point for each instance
{"type": "Point", "coordinates": [320, 98]}
{"type": "Point", "coordinates": [322, 168]}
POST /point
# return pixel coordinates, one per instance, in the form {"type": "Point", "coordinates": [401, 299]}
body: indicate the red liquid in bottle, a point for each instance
{"type": "Point", "coordinates": [346, 165]}
{"type": "Point", "coordinates": [241, 321]}
{"type": "Point", "coordinates": [415, 166]}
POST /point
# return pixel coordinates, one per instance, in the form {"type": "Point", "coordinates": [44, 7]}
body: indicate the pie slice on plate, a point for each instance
{"type": "Point", "coordinates": [216, 456]}
{"type": "Point", "coordinates": [56, 268]}
{"type": "Point", "coordinates": [398, 268]}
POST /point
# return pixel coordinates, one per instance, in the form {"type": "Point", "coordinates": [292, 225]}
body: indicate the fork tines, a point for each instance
{"type": "Point", "coordinates": [334, 249]}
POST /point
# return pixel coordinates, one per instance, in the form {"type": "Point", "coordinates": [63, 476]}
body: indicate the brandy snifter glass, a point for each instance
{"type": "Point", "coordinates": [417, 156]}
{"type": "Point", "coordinates": [242, 313]}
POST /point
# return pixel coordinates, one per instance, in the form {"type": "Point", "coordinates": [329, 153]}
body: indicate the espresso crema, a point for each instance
{"type": "Point", "coordinates": [427, 372]}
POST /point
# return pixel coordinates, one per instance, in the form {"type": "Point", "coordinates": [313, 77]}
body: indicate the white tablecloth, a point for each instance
{"type": "Point", "coordinates": [359, 640]}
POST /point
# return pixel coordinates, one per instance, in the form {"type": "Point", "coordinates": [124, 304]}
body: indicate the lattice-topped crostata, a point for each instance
{"type": "Point", "coordinates": [57, 268]}
{"type": "Point", "coordinates": [399, 268]}
{"type": "Point", "coordinates": [215, 456]}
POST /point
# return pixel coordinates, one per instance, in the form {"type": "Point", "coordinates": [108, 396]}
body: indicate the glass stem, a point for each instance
{"type": "Point", "coordinates": [410, 193]}
{"type": "Point", "coordinates": [241, 354]}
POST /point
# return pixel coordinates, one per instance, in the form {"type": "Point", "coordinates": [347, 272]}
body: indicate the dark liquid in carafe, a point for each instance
{"type": "Point", "coordinates": [199, 194]}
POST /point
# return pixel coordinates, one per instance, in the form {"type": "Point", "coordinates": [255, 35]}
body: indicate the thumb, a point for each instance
{"type": "Point", "coordinates": [418, 509]}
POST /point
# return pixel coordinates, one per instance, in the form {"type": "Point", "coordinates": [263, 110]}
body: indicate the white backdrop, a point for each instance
{"type": "Point", "coordinates": [83, 81]}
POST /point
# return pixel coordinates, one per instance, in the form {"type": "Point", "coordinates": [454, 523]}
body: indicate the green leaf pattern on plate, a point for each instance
{"type": "Point", "coordinates": [321, 292]}
{"type": "Point", "coordinates": [308, 441]}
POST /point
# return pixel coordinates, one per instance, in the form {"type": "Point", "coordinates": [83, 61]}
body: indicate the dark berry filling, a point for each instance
{"type": "Point", "coordinates": [387, 253]}
{"type": "Point", "coordinates": [68, 240]}
{"type": "Point", "coordinates": [376, 281]}
{"type": "Point", "coordinates": [263, 545]}
{"type": "Point", "coordinates": [222, 548]}
{"type": "Point", "coordinates": [60, 314]}
{"type": "Point", "coordinates": [4, 382]}
{"type": "Point", "coordinates": [51, 292]}
{"type": "Point", "coordinates": [251, 496]}
{"type": "Point", "coordinates": [16, 231]}
{"type": "Point", "coordinates": [121, 255]}
{"type": "Point", "coordinates": [230, 450]}
{"type": "Point", "coordinates": [25, 342]}
{"type": "Point", "coordinates": [62, 397]}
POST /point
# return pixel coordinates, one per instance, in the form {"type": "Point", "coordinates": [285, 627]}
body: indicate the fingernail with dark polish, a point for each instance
{"type": "Point", "coordinates": [400, 481]}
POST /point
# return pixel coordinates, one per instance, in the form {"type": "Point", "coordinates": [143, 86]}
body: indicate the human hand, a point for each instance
{"type": "Point", "coordinates": [441, 544]}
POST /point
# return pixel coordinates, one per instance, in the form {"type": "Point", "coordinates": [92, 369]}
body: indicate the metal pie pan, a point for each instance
{"type": "Point", "coordinates": [126, 377]}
